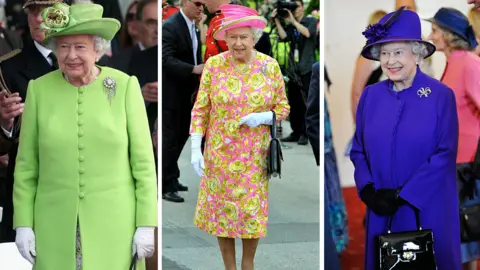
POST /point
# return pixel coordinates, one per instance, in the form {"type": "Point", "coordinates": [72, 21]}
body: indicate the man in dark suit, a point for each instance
{"type": "Point", "coordinates": [145, 67]}
{"type": "Point", "coordinates": [147, 23]}
{"type": "Point", "coordinates": [312, 119]}
{"type": "Point", "coordinates": [31, 63]}
{"type": "Point", "coordinates": [181, 68]}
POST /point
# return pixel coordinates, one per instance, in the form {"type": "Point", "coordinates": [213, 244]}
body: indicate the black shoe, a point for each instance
{"type": "Point", "coordinates": [290, 138]}
{"type": "Point", "coordinates": [181, 187]}
{"type": "Point", "coordinates": [303, 140]}
{"type": "Point", "coordinates": [173, 197]}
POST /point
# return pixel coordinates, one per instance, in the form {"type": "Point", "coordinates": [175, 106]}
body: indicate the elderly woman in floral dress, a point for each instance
{"type": "Point", "coordinates": [239, 90]}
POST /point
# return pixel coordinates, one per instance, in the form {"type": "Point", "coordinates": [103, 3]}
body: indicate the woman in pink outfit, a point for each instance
{"type": "Point", "coordinates": [239, 90]}
{"type": "Point", "coordinates": [454, 36]}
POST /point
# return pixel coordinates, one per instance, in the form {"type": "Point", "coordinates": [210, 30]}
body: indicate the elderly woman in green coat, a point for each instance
{"type": "Point", "coordinates": [85, 182]}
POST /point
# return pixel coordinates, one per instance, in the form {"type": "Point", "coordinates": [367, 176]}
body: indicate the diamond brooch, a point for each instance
{"type": "Point", "coordinates": [424, 92]}
{"type": "Point", "coordinates": [110, 88]}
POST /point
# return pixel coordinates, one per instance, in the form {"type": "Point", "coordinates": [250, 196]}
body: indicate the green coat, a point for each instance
{"type": "Point", "coordinates": [81, 156]}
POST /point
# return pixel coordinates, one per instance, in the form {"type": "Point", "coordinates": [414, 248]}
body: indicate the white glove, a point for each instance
{"type": "Point", "coordinates": [25, 241]}
{"type": "Point", "coordinates": [144, 242]}
{"type": "Point", "coordinates": [256, 119]}
{"type": "Point", "coordinates": [197, 157]}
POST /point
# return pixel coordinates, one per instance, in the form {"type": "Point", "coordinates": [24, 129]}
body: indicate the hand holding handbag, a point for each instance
{"type": "Point", "coordinates": [410, 250]}
{"type": "Point", "coordinates": [133, 265]}
{"type": "Point", "coordinates": [275, 157]}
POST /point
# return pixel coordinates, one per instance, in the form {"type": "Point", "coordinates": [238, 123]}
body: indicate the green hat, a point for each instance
{"type": "Point", "coordinates": [64, 20]}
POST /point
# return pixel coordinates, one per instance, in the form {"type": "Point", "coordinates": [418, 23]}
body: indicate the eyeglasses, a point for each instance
{"type": "Point", "coordinates": [130, 16]}
{"type": "Point", "coordinates": [198, 4]}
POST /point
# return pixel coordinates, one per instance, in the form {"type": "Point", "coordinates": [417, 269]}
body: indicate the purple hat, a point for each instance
{"type": "Point", "coordinates": [401, 25]}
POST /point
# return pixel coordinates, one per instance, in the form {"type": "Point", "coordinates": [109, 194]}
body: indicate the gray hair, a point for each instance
{"type": "Point", "coordinates": [257, 34]}
{"type": "Point", "coordinates": [418, 49]}
{"type": "Point", "coordinates": [101, 45]}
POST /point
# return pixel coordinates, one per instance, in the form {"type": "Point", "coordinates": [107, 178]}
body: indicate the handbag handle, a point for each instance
{"type": "Point", "coordinates": [133, 265]}
{"type": "Point", "coordinates": [273, 127]}
{"type": "Point", "coordinates": [417, 218]}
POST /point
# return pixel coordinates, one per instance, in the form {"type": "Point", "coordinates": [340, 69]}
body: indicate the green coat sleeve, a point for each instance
{"type": "Point", "coordinates": [142, 161]}
{"type": "Point", "coordinates": [26, 168]}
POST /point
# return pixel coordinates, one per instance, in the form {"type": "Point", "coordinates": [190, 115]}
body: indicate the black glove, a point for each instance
{"type": "Point", "coordinates": [367, 195]}
{"type": "Point", "coordinates": [384, 202]}
{"type": "Point", "coordinates": [387, 201]}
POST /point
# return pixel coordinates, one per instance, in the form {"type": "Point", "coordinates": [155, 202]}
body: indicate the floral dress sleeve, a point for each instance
{"type": "Point", "coordinates": [280, 101]}
{"type": "Point", "coordinates": [201, 109]}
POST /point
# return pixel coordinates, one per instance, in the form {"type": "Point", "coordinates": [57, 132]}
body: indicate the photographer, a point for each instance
{"type": "Point", "coordinates": [301, 35]}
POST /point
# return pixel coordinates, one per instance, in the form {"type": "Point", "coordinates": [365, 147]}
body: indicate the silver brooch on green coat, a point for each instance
{"type": "Point", "coordinates": [110, 88]}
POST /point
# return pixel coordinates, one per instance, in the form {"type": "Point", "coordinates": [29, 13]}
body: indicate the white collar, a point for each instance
{"type": "Point", "coordinates": [44, 51]}
{"type": "Point", "coordinates": [140, 46]}
{"type": "Point", "coordinates": [189, 22]}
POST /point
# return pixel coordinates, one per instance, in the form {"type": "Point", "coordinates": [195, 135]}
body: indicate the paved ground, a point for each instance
{"type": "Point", "coordinates": [293, 231]}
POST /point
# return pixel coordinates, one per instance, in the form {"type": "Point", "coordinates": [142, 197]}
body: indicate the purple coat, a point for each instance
{"type": "Point", "coordinates": [409, 139]}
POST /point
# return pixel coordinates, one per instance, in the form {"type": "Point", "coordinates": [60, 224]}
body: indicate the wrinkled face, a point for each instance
{"type": "Point", "coordinates": [398, 61]}
{"type": "Point", "coordinates": [436, 36]}
{"type": "Point", "coordinates": [148, 26]}
{"type": "Point", "coordinates": [298, 13]}
{"type": "Point", "coordinates": [409, 5]}
{"type": "Point", "coordinates": [132, 22]}
{"type": "Point", "coordinates": [76, 55]}
{"type": "Point", "coordinates": [34, 13]}
{"type": "Point", "coordinates": [193, 8]}
{"type": "Point", "coordinates": [240, 42]}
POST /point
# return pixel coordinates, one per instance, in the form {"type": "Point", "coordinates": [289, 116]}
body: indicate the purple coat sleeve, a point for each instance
{"type": "Point", "coordinates": [440, 167]}
{"type": "Point", "coordinates": [358, 155]}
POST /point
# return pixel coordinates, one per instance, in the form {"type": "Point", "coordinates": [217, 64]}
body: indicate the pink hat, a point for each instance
{"type": "Point", "coordinates": [238, 16]}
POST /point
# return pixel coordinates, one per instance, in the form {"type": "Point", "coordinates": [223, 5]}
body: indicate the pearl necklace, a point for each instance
{"type": "Point", "coordinates": [91, 81]}
{"type": "Point", "coordinates": [242, 67]}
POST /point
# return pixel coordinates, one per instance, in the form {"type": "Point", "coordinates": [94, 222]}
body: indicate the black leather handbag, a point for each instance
{"type": "Point", "coordinates": [410, 250]}
{"type": "Point", "coordinates": [275, 157]}
{"type": "Point", "coordinates": [133, 265]}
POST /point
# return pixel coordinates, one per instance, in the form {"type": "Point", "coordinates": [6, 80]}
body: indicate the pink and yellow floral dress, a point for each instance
{"type": "Point", "coordinates": [233, 196]}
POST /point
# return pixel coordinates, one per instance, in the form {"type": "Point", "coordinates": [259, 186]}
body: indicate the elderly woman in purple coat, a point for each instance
{"type": "Point", "coordinates": [405, 143]}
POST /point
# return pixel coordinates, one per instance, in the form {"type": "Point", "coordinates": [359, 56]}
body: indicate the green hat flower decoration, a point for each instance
{"type": "Point", "coordinates": [64, 20]}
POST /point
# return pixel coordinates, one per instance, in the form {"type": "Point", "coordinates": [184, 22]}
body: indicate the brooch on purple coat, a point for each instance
{"type": "Point", "coordinates": [110, 88]}
{"type": "Point", "coordinates": [424, 92]}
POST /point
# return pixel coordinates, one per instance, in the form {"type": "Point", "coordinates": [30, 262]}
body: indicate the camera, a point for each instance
{"type": "Point", "coordinates": [282, 7]}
